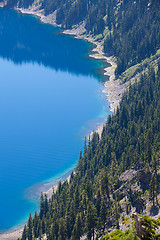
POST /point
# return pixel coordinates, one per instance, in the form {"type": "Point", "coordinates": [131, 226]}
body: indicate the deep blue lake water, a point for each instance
{"type": "Point", "coordinates": [50, 98]}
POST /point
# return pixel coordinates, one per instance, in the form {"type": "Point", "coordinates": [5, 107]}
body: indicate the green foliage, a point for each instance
{"type": "Point", "coordinates": [91, 218]}
{"type": "Point", "coordinates": [77, 229]}
{"type": "Point", "coordinates": [153, 189]}
{"type": "Point", "coordinates": [136, 69]}
{"type": "Point", "coordinates": [130, 29]}
{"type": "Point", "coordinates": [83, 204]}
{"type": "Point", "coordinates": [24, 234]}
{"type": "Point", "coordinates": [149, 227]}
{"type": "Point", "coordinates": [135, 32]}
{"type": "Point", "coordinates": [119, 235]}
{"type": "Point", "coordinates": [89, 202]}
{"type": "Point", "coordinates": [30, 228]}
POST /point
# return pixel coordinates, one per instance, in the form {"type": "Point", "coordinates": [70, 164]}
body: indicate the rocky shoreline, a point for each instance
{"type": "Point", "coordinates": [112, 88]}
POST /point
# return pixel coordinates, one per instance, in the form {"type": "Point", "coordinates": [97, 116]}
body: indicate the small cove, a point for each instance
{"type": "Point", "coordinates": [50, 98]}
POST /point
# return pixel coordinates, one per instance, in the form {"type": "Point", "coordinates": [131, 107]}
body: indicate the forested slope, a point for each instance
{"type": "Point", "coordinates": [91, 201]}
{"type": "Point", "coordinates": [130, 29]}
{"type": "Point", "coordinates": [119, 172]}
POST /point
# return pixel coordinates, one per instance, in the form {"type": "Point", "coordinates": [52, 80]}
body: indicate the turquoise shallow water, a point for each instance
{"type": "Point", "coordinates": [50, 98]}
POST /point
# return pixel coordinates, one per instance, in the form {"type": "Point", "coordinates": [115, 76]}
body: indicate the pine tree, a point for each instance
{"type": "Point", "coordinates": [35, 224]}
{"type": "Point", "coordinates": [153, 189]}
{"type": "Point", "coordinates": [43, 225]}
{"type": "Point", "coordinates": [45, 204]}
{"type": "Point", "coordinates": [77, 229]}
{"type": "Point", "coordinates": [30, 228]}
{"type": "Point", "coordinates": [103, 182]}
{"type": "Point", "coordinates": [40, 234]}
{"type": "Point", "coordinates": [103, 214]}
{"type": "Point", "coordinates": [91, 218]}
{"type": "Point", "coordinates": [76, 198]}
{"type": "Point", "coordinates": [98, 203]}
{"type": "Point", "coordinates": [41, 206]}
{"type": "Point", "coordinates": [62, 229]}
{"type": "Point", "coordinates": [85, 145]}
{"type": "Point", "coordinates": [24, 234]}
{"type": "Point", "coordinates": [54, 229]}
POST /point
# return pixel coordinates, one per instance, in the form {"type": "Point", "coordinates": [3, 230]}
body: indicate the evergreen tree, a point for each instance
{"type": "Point", "coordinates": [41, 206]}
{"type": "Point", "coordinates": [98, 203]}
{"type": "Point", "coordinates": [45, 204]}
{"type": "Point", "coordinates": [103, 214]}
{"type": "Point", "coordinates": [153, 189]}
{"type": "Point", "coordinates": [76, 198]}
{"type": "Point", "coordinates": [62, 229]}
{"type": "Point", "coordinates": [77, 230]}
{"type": "Point", "coordinates": [24, 234]}
{"type": "Point", "coordinates": [91, 218]}
{"type": "Point", "coordinates": [35, 224]}
{"type": "Point", "coordinates": [30, 228]}
{"type": "Point", "coordinates": [103, 182]}
{"type": "Point", "coordinates": [43, 225]}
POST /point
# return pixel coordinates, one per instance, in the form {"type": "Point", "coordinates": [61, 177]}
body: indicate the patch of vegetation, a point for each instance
{"type": "Point", "coordinates": [140, 67]}
{"type": "Point", "coordinates": [90, 202]}
{"type": "Point", "coordinates": [130, 29]}
{"type": "Point", "coordinates": [119, 235]}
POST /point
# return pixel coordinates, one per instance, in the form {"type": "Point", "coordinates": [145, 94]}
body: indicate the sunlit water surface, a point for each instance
{"type": "Point", "coordinates": [50, 98]}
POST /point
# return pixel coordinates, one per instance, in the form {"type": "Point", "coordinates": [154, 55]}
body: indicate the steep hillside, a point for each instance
{"type": "Point", "coordinates": [117, 174]}
{"type": "Point", "coordinates": [130, 29]}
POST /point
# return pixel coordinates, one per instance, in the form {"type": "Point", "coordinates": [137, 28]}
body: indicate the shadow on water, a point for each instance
{"type": "Point", "coordinates": [31, 42]}
{"type": "Point", "coordinates": [44, 114]}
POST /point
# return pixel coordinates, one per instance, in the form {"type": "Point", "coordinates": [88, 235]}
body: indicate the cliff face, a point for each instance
{"type": "Point", "coordinates": [133, 191]}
